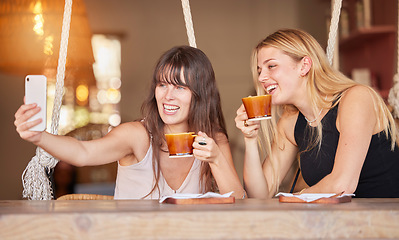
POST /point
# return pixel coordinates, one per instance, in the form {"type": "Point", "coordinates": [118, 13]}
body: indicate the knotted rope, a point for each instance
{"type": "Point", "coordinates": [393, 97]}
{"type": "Point", "coordinates": [332, 36]}
{"type": "Point", "coordinates": [189, 22]}
{"type": "Point", "coordinates": [36, 183]}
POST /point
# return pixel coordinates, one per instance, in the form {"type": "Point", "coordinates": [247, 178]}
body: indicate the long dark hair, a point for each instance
{"type": "Point", "coordinates": [205, 112]}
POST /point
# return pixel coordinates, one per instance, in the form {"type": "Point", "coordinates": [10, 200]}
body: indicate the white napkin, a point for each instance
{"type": "Point", "coordinates": [309, 197]}
{"type": "Point", "coordinates": [188, 196]}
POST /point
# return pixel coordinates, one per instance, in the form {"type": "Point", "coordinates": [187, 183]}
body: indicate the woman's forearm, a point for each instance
{"type": "Point", "coordinates": [226, 177]}
{"type": "Point", "coordinates": [64, 148]}
{"type": "Point", "coordinates": [254, 180]}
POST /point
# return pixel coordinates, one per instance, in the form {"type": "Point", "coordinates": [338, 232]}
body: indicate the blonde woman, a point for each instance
{"type": "Point", "coordinates": [342, 131]}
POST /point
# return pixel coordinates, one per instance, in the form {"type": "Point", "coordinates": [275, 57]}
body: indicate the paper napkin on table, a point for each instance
{"type": "Point", "coordinates": [188, 196]}
{"type": "Point", "coordinates": [309, 197]}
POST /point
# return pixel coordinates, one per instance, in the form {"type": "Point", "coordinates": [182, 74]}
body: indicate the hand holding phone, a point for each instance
{"type": "Point", "coordinates": [36, 92]}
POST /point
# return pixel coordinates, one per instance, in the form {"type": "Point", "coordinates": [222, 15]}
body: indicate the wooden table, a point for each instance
{"type": "Point", "coordinates": [245, 219]}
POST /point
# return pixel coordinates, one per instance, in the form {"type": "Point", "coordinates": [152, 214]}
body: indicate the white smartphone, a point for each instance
{"type": "Point", "coordinates": [36, 92]}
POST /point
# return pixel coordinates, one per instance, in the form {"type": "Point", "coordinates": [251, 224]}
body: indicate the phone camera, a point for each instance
{"type": "Point", "coordinates": [27, 79]}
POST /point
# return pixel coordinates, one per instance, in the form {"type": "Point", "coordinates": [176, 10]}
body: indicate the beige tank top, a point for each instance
{"type": "Point", "coordinates": [136, 181]}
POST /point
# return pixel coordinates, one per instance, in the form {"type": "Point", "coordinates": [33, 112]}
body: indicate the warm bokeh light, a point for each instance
{"type": "Point", "coordinates": [107, 55]}
{"type": "Point", "coordinates": [98, 118]}
{"type": "Point", "coordinates": [102, 96]}
{"type": "Point", "coordinates": [66, 119]}
{"type": "Point", "coordinates": [38, 19]}
{"type": "Point", "coordinates": [115, 83]}
{"type": "Point", "coordinates": [85, 102]}
{"type": "Point", "coordinates": [82, 92]}
{"type": "Point", "coordinates": [114, 120]}
{"type": "Point", "coordinates": [81, 117]}
{"type": "Point", "coordinates": [107, 69]}
{"type": "Point", "coordinates": [113, 96]}
{"type": "Point", "coordinates": [30, 32]}
{"type": "Point", "coordinates": [48, 45]}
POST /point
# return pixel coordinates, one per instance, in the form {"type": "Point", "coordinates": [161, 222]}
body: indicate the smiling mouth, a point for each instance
{"type": "Point", "coordinates": [271, 88]}
{"type": "Point", "coordinates": [170, 108]}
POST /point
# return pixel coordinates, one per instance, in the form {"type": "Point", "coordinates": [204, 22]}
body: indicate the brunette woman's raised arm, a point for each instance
{"type": "Point", "coordinates": [112, 147]}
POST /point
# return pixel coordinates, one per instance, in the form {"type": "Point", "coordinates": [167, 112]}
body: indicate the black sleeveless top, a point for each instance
{"type": "Point", "coordinates": [379, 177]}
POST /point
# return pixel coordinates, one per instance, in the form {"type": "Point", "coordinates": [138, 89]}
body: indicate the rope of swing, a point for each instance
{"type": "Point", "coordinates": [35, 178]}
{"type": "Point", "coordinates": [332, 36]}
{"type": "Point", "coordinates": [189, 22]}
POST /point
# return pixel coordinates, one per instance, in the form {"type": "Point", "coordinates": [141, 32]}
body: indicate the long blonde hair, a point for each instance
{"type": "Point", "coordinates": [323, 81]}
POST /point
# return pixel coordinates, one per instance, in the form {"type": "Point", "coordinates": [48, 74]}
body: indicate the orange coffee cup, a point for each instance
{"type": "Point", "coordinates": [258, 107]}
{"type": "Point", "coordinates": [180, 144]}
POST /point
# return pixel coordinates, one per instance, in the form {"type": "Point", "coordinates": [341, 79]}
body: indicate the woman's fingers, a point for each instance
{"type": "Point", "coordinates": [248, 128]}
{"type": "Point", "coordinates": [241, 119]}
{"type": "Point", "coordinates": [251, 132]}
{"type": "Point", "coordinates": [25, 126]}
{"type": "Point", "coordinates": [25, 112]}
{"type": "Point", "coordinates": [22, 123]}
{"type": "Point", "coordinates": [28, 135]}
{"type": "Point", "coordinates": [204, 147]}
{"type": "Point", "coordinates": [202, 138]}
{"type": "Point", "coordinates": [202, 141]}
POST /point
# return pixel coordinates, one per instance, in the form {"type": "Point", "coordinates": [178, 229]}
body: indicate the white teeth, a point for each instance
{"type": "Point", "coordinates": [271, 88]}
{"type": "Point", "coordinates": [170, 107]}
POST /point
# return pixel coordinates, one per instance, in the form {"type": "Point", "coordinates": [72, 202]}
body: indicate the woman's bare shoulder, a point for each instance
{"type": "Point", "coordinates": [131, 130]}
{"type": "Point", "coordinates": [356, 99]}
{"type": "Point", "coordinates": [357, 94]}
{"type": "Point", "coordinates": [133, 126]}
{"type": "Point", "coordinates": [357, 108]}
{"type": "Point", "coordinates": [136, 136]}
